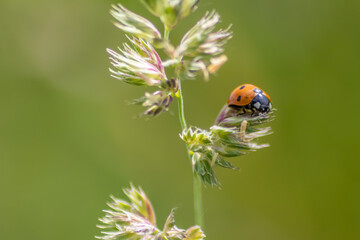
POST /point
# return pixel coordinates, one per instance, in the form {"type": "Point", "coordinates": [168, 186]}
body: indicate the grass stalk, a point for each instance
{"type": "Point", "coordinates": [198, 215]}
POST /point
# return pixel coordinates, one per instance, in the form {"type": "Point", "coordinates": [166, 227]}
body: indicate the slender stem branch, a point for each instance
{"type": "Point", "coordinates": [197, 183]}
{"type": "Point", "coordinates": [166, 33]}
{"type": "Point", "coordinates": [181, 107]}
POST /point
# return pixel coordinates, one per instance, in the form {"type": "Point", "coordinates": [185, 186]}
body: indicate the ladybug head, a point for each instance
{"type": "Point", "coordinates": [261, 103]}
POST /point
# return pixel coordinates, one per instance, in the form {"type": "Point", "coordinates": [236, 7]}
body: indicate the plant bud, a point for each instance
{"type": "Point", "coordinates": [175, 10]}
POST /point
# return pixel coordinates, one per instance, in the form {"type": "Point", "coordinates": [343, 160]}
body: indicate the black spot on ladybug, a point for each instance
{"type": "Point", "coordinates": [242, 87]}
{"type": "Point", "coordinates": [238, 99]}
{"type": "Point", "coordinates": [256, 90]}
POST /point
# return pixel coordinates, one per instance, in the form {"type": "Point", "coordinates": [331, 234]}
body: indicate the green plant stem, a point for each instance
{"type": "Point", "coordinates": [198, 202]}
{"type": "Point", "coordinates": [197, 183]}
{"type": "Point", "coordinates": [166, 33]}
{"type": "Point", "coordinates": [181, 107]}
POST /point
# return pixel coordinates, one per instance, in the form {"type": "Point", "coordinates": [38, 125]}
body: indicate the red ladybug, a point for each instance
{"type": "Point", "coordinates": [250, 97]}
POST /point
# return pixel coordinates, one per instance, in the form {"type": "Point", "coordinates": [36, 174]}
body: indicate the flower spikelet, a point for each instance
{"type": "Point", "coordinates": [194, 233]}
{"type": "Point", "coordinates": [202, 45]}
{"type": "Point", "coordinates": [158, 101]}
{"type": "Point", "coordinates": [196, 138]}
{"type": "Point", "coordinates": [133, 24]}
{"type": "Point", "coordinates": [135, 220]}
{"type": "Point", "coordinates": [202, 39]}
{"type": "Point", "coordinates": [138, 64]}
{"type": "Point", "coordinates": [233, 136]}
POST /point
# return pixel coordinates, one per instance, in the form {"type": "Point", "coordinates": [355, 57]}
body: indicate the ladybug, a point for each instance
{"type": "Point", "coordinates": [250, 97]}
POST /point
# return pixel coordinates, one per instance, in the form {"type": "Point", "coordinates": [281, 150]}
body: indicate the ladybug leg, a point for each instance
{"type": "Point", "coordinates": [252, 112]}
{"type": "Point", "coordinates": [243, 111]}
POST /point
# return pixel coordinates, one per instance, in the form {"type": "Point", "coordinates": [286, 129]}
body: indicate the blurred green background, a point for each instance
{"type": "Point", "coordinates": [68, 139]}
